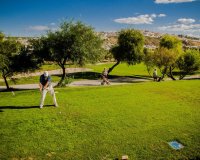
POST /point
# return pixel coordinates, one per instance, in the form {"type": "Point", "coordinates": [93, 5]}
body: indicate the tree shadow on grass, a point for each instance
{"type": "Point", "coordinates": [177, 73]}
{"type": "Point", "coordinates": [96, 75]}
{"type": "Point", "coordinates": [122, 81]}
{"type": "Point", "coordinates": [82, 75]}
{"type": "Point", "coordinates": [141, 77]}
{"type": "Point", "coordinates": [21, 107]}
{"type": "Point", "coordinates": [15, 89]}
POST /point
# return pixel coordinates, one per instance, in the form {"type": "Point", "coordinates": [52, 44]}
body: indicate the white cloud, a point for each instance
{"type": "Point", "coordinates": [172, 1]}
{"type": "Point", "coordinates": [39, 28]}
{"type": "Point", "coordinates": [52, 24]}
{"type": "Point", "coordinates": [162, 15]}
{"type": "Point", "coordinates": [181, 28]}
{"type": "Point", "coordinates": [141, 19]}
{"type": "Point", "coordinates": [185, 20]}
{"type": "Point", "coordinates": [188, 29]}
{"type": "Point", "coordinates": [153, 15]}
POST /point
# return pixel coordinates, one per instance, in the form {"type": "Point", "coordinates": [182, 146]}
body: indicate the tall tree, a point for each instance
{"type": "Point", "coordinates": [164, 59]}
{"type": "Point", "coordinates": [73, 42]}
{"type": "Point", "coordinates": [14, 58]}
{"type": "Point", "coordinates": [174, 46]}
{"type": "Point", "coordinates": [165, 56]}
{"type": "Point", "coordinates": [129, 49]}
{"type": "Point", "coordinates": [8, 48]}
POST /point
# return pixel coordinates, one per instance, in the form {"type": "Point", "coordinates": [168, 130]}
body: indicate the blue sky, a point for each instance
{"type": "Point", "coordinates": [35, 17]}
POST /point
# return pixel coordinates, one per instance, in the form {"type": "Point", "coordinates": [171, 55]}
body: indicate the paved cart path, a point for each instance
{"type": "Point", "coordinates": [114, 81]}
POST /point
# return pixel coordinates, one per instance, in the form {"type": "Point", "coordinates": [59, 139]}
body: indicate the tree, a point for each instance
{"type": "Point", "coordinates": [165, 56]}
{"type": "Point", "coordinates": [8, 48]}
{"type": "Point", "coordinates": [189, 62]}
{"type": "Point", "coordinates": [171, 42]}
{"type": "Point", "coordinates": [149, 60]}
{"type": "Point", "coordinates": [174, 46]}
{"type": "Point", "coordinates": [14, 58]}
{"type": "Point", "coordinates": [164, 59]}
{"type": "Point", "coordinates": [129, 49]}
{"type": "Point", "coordinates": [39, 47]}
{"type": "Point", "coordinates": [1, 36]}
{"type": "Point", "coordinates": [72, 42]}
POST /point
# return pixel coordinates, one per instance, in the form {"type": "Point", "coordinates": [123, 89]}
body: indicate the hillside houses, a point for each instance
{"type": "Point", "coordinates": [151, 40]}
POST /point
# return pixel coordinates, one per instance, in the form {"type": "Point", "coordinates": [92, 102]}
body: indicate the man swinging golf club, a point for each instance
{"type": "Point", "coordinates": [45, 86]}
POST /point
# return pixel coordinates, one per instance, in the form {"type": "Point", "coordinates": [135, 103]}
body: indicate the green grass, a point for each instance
{"type": "Point", "coordinates": [48, 67]}
{"type": "Point", "coordinates": [28, 80]}
{"type": "Point", "coordinates": [53, 66]}
{"type": "Point", "coordinates": [122, 69]}
{"type": "Point", "coordinates": [138, 70]}
{"type": "Point", "coordinates": [103, 122]}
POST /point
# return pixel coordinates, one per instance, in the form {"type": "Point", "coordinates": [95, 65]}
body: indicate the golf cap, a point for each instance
{"type": "Point", "coordinates": [46, 73]}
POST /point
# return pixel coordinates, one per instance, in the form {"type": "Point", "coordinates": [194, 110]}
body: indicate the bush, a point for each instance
{"type": "Point", "coordinates": [189, 62]}
{"type": "Point", "coordinates": [66, 81]}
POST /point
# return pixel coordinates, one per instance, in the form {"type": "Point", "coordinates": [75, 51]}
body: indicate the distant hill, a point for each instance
{"type": "Point", "coordinates": [152, 39]}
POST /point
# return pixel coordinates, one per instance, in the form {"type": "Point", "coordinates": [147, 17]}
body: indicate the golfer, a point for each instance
{"type": "Point", "coordinates": [104, 76]}
{"type": "Point", "coordinates": [155, 75]}
{"type": "Point", "coordinates": [45, 86]}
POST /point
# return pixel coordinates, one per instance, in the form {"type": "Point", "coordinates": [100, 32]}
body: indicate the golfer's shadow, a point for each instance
{"type": "Point", "coordinates": [22, 107]}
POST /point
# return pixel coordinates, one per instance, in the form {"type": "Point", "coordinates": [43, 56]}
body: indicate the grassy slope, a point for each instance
{"type": "Point", "coordinates": [103, 122]}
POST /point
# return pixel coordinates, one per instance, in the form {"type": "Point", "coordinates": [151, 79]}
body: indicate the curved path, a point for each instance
{"type": "Point", "coordinates": [51, 72]}
{"type": "Point", "coordinates": [115, 81]}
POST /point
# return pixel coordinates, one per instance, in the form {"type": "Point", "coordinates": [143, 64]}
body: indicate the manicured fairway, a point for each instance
{"type": "Point", "coordinates": [103, 123]}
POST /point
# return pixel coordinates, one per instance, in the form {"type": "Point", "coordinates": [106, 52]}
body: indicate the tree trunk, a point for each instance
{"type": "Point", "coordinates": [163, 73]}
{"type": "Point", "coordinates": [63, 76]}
{"type": "Point", "coordinates": [64, 73]}
{"type": "Point", "coordinates": [171, 74]}
{"type": "Point", "coordinates": [182, 76]}
{"type": "Point", "coordinates": [6, 82]}
{"type": "Point", "coordinates": [111, 68]}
